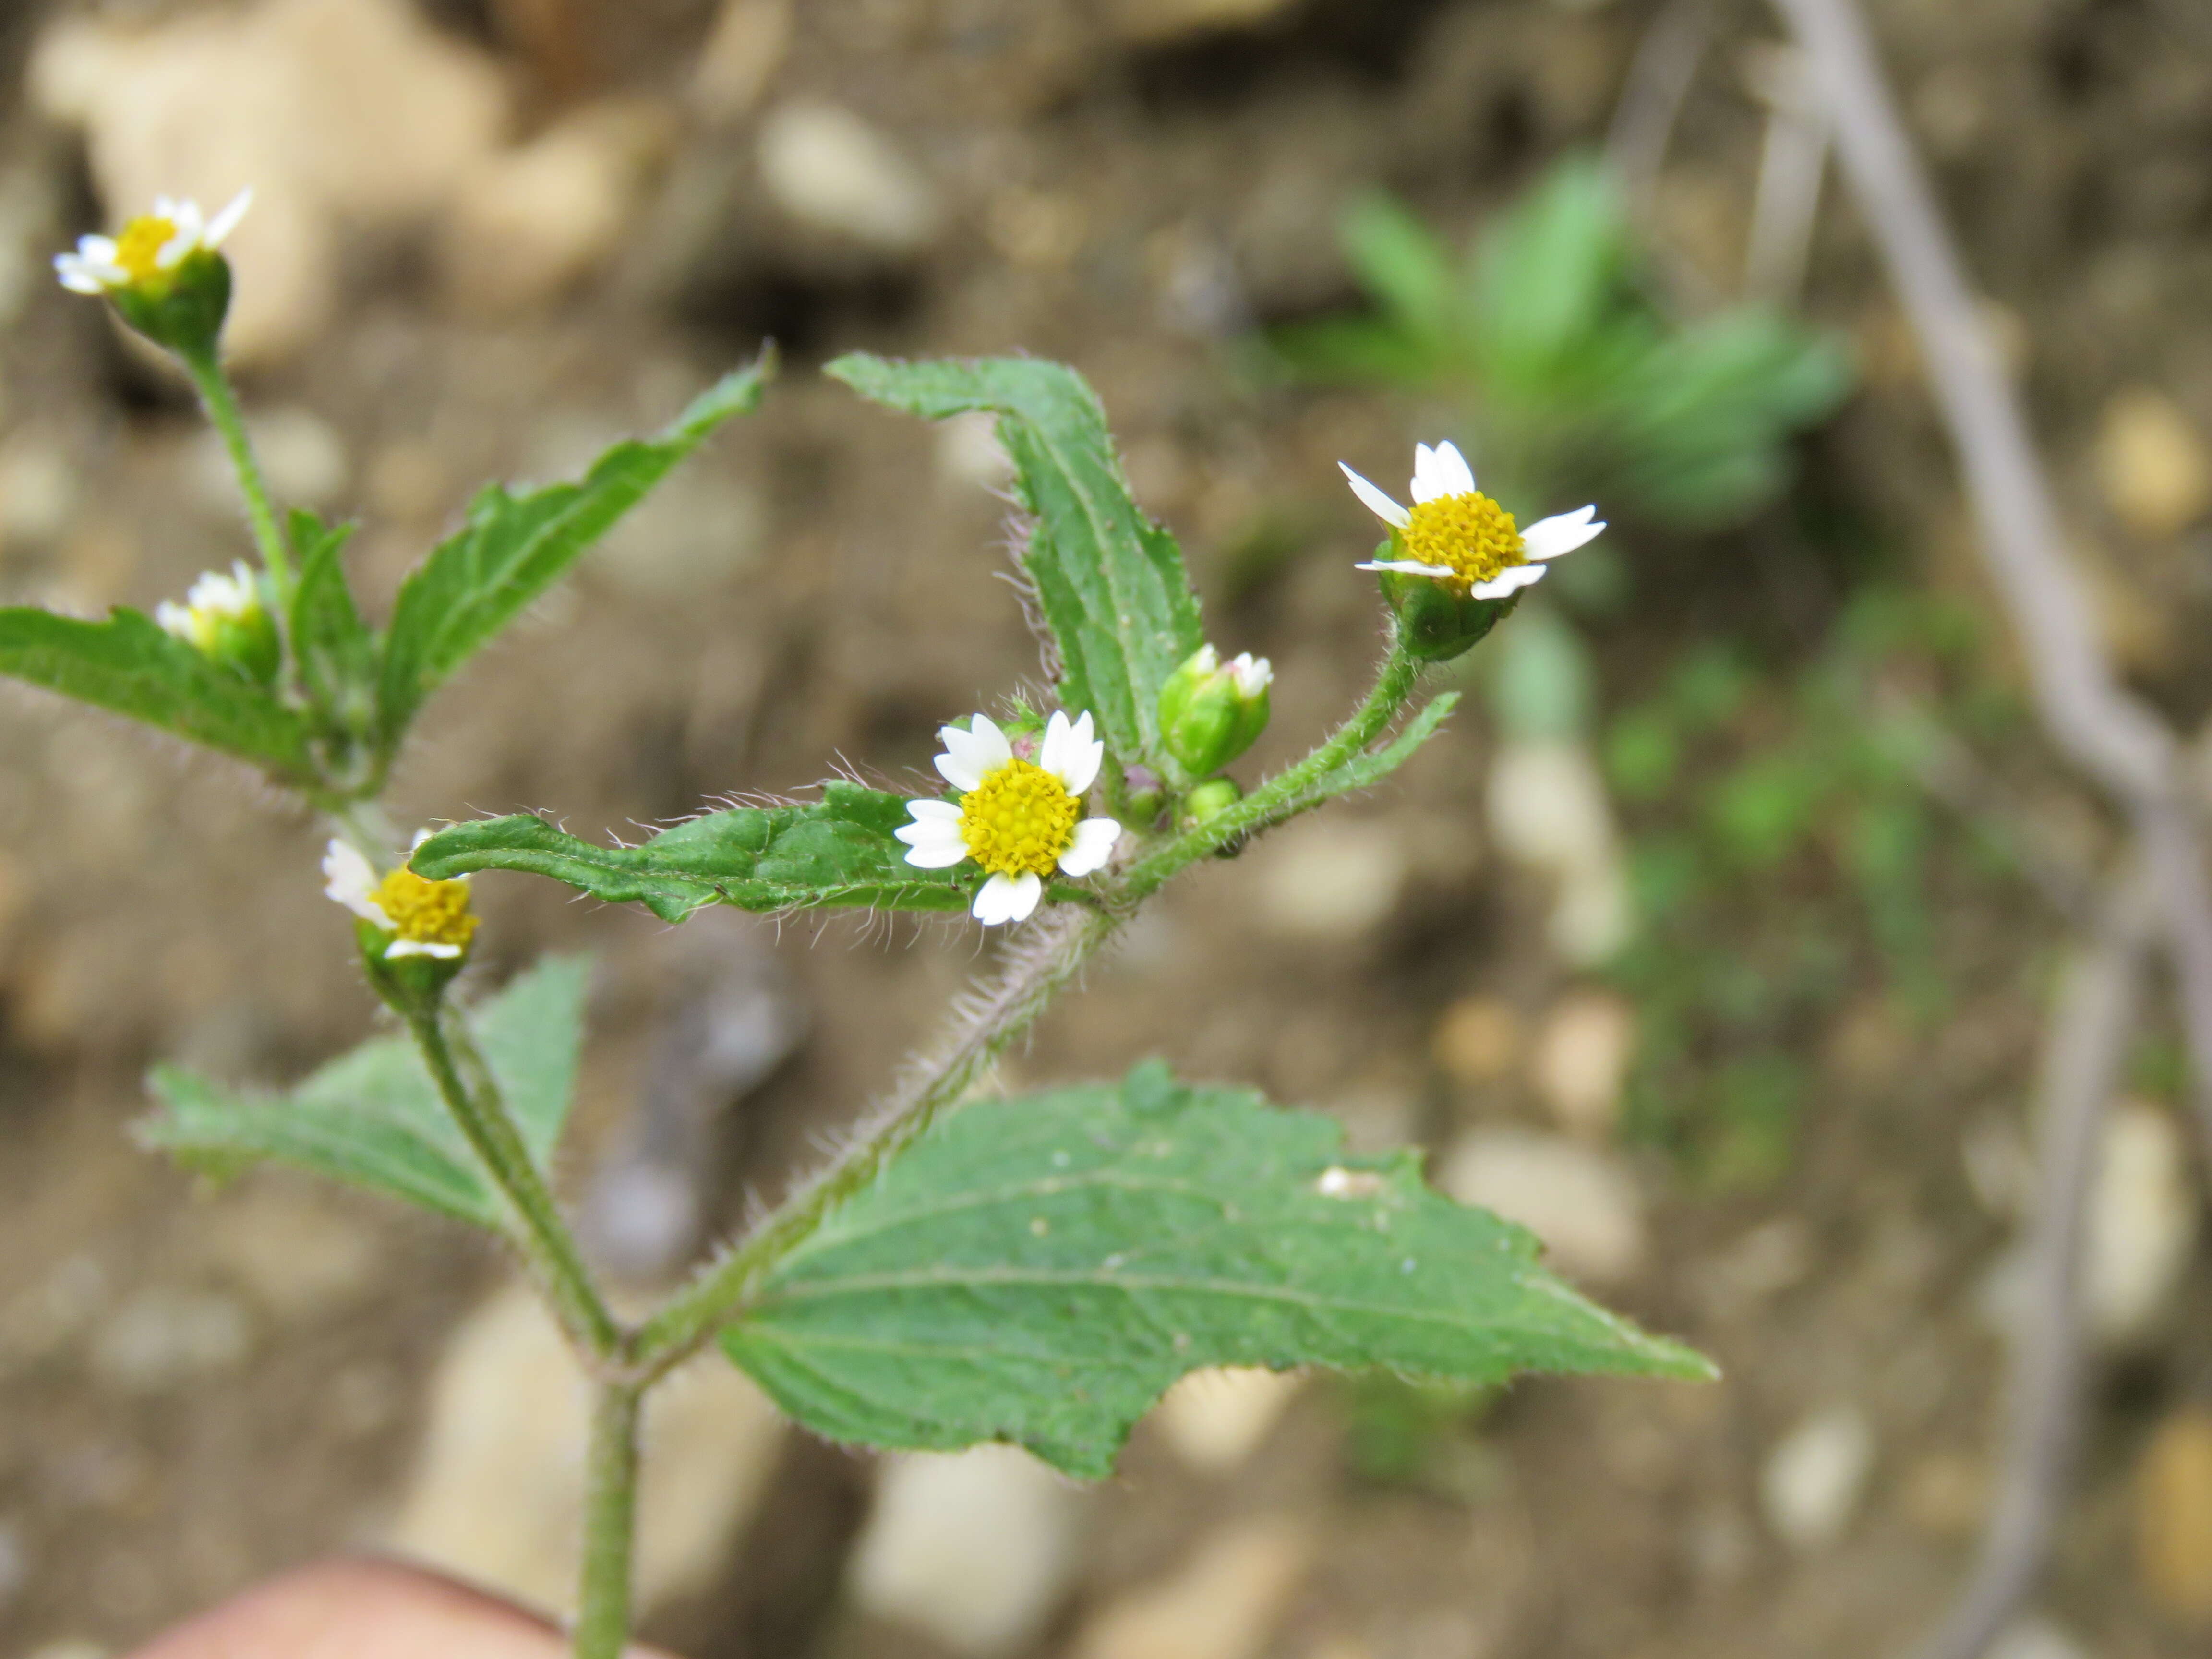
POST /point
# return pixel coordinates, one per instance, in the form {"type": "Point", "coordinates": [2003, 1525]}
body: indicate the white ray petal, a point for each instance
{"type": "Point", "coordinates": [929, 807]}
{"type": "Point", "coordinates": [419, 947]}
{"type": "Point", "coordinates": [1080, 756]}
{"type": "Point", "coordinates": [969, 756]}
{"type": "Point", "coordinates": [1007, 898]}
{"type": "Point", "coordinates": [1052, 752]}
{"type": "Point", "coordinates": [933, 843]}
{"type": "Point", "coordinates": [1562, 532]}
{"type": "Point", "coordinates": [350, 878]}
{"type": "Point", "coordinates": [1092, 845]}
{"type": "Point", "coordinates": [1377, 503]}
{"type": "Point", "coordinates": [1407, 567]}
{"type": "Point", "coordinates": [1510, 581]}
{"type": "Point", "coordinates": [226, 221]}
{"type": "Point", "coordinates": [1440, 471]}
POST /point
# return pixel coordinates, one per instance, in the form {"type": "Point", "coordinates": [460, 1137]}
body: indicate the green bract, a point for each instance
{"type": "Point", "coordinates": [1040, 1270]}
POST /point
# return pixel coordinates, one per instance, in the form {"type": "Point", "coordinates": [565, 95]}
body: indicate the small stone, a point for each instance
{"type": "Point", "coordinates": [1548, 811]}
{"type": "Point", "coordinates": [1224, 1604]}
{"type": "Point", "coordinates": [974, 1549]}
{"type": "Point", "coordinates": [834, 173]}
{"type": "Point", "coordinates": [969, 451]}
{"type": "Point", "coordinates": [497, 1492]}
{"type": "Point", "coordinates": [38, 494]}
{"type": "Point", "coordinates": [530, 223]}
{"type": "Point", "coordinates": [293, 1251]}
{"type": "Point", "coordinates": [1945, 1494]}
{"type": "Point", "coordinates": [1813, 1479]}
{"type": "Point", "coordinates": [1581, 1203]}
{"type": "Point", "coordinates": [2173, 1515]}
{"type": "Point", "coordinates": [2151, 464]}
{"type": "Point", "coordinates": [163, 1339]}
{"type": "Point", "coordinates": [1216, 1419]}
{"type": "Point", "coordinates": [1581, 1061]}
{"type": "Point", "coordinates": [70, 1649]}
{"type": "Point", "coordinates": [1330, 880]}
{"type": "Point", "coordinates": [745, 48]}
{"type": "Point", "coordinates": [1478, 1040]}
{"type": "Point", "coordinates": [2142, 1223]}
{"type": "Point", "coordinates": [1154, 22]}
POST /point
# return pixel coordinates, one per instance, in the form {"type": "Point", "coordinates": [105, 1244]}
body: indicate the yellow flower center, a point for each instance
{"type": "Point", "coordinates": [427, 912]}
{"type": "Point", "coordinates": [138, 250]}
{"type": "Point", "coordinates": [1470, 535]}
{"type": "Point", "coordinates": [1020, 818]}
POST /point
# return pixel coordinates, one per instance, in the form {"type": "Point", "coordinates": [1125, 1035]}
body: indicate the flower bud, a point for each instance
{"type": "Point", "coordinates": [224, 618]}
{"type": "Point", "coordinates": [1209, 801]}
{"type": "Point", "coordinates": [1212, 712]}
{"type": "Point", "coordinates": [1436, 624]}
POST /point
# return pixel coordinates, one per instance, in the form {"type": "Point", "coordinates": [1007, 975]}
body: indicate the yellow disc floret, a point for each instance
{"type": "Point", "coordinates": [427, 912]}
{"type": "Point", "coordinates": [1470, 535]}
{"type": "Point", "coordinates": [138, 249]}
{"type": "Point", "coordinates": [1019, 820]}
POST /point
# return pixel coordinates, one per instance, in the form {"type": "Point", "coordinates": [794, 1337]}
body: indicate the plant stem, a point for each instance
{"type": "Point", "coordinates": [609, 1516]}
{"type": "Point", "coordinates": [1056, 950]}
{"type": "Point", "coordinates": [1285, 794]}
{"type": "Point", "coordinates": [482, 1117]}
{"type": "Point", "coordinates": [206, 370]}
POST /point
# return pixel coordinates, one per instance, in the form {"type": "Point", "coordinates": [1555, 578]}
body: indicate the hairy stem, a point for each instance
{"type": "Point", "coordinates": [474, 1101]}
{"type": "Point", "coordinates": [1287, 793]}
{"type": "Point", "coordinates": [610, 1519]}
{"type": "Point", "coordinates": [1055, 952]}
{"type": "Point", "coordinates": [260, 511]}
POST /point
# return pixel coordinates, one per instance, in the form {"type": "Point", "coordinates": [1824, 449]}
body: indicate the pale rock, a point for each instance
{"type": "Point", "coordinates": [1548, 811]}
{"type": "Point", "coordinates": [1215, 1418]}
{"type": "Point", "coordinates": [302, 458]}
{"type": "Point", "coordinates": [1330, 880]}
{"type": "Point", "coordinates": [69, 1648]}
{"type": "Point", "coordinates": [699, 529]}
{"type": "Point", "coordinates": [834, 173]}
{"type": "Point", "coordinates": [2151, 464]}
{"type": "Point", "coordinates": [1224, 1603]}
{"type": "Point", "coordinates": [340, 114]}
{"type": "Point", "coordinates": [2034, 1638]}
{"type": "Point", "coordinates": [744, 49]}
{"type": "Point", "coordinates": [969, 451]}
{"type": "Point", "coordinates": [2173, 1515]}
{"type": "Point", "coordinates": [1581, 1061]}
{"type": "Point", "coordinates": [160, 1339]}
{"type": "Point", "coordinates": [2142, 1223]}
{"type": "Point", "coordinates": [1813, 1479]}
{"type": "Point", "coordinates": [1478, 1040]}
{"type": "Point", "coordinates": [38, 494]}
{"type": "Point", "coordinates": [497, 1492]}
{"type": "Point", "coordinates": [1580, 1202]}
{"type": "Point", "coordinates": [529, 223]}
{"type": "Point", "coordinates": [289, 1249]}
{"type": "Point", "coordinates": [1153, 23]}
{"type": "Point", "coordinates": [974, 1549]}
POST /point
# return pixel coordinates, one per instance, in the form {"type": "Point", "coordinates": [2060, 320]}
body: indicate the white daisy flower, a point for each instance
{"type": "Point", "coordinates": [427, 917]}
{"type": "Point", "coordinates": [1460, 536]}
{"type": "Point", "coordinates": [151, 246]}
{"type": "Point", "coordinates": [1019, 819]}
{"type": "Point", "coordinates": [213, 601]}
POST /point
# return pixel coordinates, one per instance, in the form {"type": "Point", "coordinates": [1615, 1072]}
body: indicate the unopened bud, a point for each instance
{"type": "Point", "coordinates": [224, 618]}
{"type": "Point", "coordinates": [1212, 712]}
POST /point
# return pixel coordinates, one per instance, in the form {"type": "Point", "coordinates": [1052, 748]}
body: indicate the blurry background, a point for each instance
{"type": "Point", "coordinates": [1713, 942]}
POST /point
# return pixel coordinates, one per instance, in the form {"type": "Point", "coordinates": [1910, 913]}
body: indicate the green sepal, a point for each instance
{"type": "Point", "coordinates": [129, 665]}
{"type": "Point", "coordinates": [183, 309]}
{"type": "Point", "coordinates": [373, 1118]}
{"type": "Point", "coordinates": [1040, 1270]}
{"type": "Point", "coordinates": [1436, 624]}
{"type": "Point", "coordinates": [1206, 721]}
{"type": "Point", "coordinates": [409, 983]}
{"type": "Point", "coordinates": [514, 547]}
{"type": "Point", "coordinates": [838, 852]}
{"type": "Point", "coordinates": [1110, 584]}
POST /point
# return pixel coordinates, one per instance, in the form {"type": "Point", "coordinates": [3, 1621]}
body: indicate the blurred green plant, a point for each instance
{"type": "Point", "coordinates": [1784, 855]}
{"type": "Point", "coordinates": [1572, 381]}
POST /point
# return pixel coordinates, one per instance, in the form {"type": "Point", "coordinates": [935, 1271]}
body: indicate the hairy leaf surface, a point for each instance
{"type": "Point", "coordinates": [335, 650]}
{"type": "Point", "coordinates": [1040, 1270]}
{"type": "Point", "coordinates": [373, 1118]}
{"type": "Point", "coordinates": [127, 665]}
{"type": "Point", "coordinates": [1109, 583]}
{"type": "Point", "coordinates": [514, 547]}
{"type": "Point", "coordinates": [838, 851]}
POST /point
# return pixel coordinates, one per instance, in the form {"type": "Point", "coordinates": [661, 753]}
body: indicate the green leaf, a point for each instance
{"type": "Point", "coordinates": [839, 851]}
{"type": "Point", "coordinates": [514, 547]}
{"type": "Point", "coordinates": [373, 1118]}
{"type": "Point", "coordinates": [1550, 271]}
{"type": "Point", "coordinates": [130, 666]}
{"type": "Point", "coordinates": [1109, 583]}
{"type": "Point", "coordinates": [335, 650]}
{"type": "Point", "coordinates": [1040, 1270]}
{"type": "Point", "coordinates": [1399, 261]}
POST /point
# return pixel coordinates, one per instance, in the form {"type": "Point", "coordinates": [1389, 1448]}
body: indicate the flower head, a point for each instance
{"type": "Point", "coordinates": [145, 257]}
{"type": "Point", "coordinates": [424, 917]}
{"type": "Point", "coordinates": [1458, 535]}
{"type": "Point", "coordinates": [1019, 819]}
{"type": "Point", "coordinates": [213, 601]}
